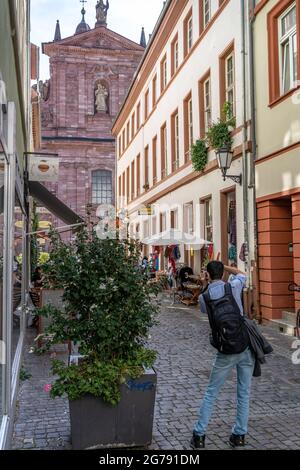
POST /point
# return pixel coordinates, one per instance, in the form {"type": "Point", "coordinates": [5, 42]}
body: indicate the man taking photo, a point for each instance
{"type": "Point", "coordinates": [223, 303]}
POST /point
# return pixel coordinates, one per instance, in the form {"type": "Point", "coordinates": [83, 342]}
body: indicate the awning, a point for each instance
{"type": "Point", "coordinates": [175, 237]}
{"type": "Point", "coordinates": [44, 197]}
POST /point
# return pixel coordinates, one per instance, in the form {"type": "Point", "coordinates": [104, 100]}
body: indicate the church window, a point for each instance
{"type": "Point", "coordinates": [102, 187]}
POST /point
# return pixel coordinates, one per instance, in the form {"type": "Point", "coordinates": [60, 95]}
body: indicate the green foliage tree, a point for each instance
{"type": "Point", "coordinates": [108, 309]}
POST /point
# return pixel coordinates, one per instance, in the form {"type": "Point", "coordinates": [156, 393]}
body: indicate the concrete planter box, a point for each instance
{"type": "Point", "coordinates": [96, 425]}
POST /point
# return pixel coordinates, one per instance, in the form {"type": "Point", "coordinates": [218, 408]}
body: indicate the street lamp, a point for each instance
{"type": "Point", "coordinates": [224, 158]}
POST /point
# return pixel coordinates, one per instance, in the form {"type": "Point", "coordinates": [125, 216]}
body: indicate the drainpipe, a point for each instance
{"type": "Point", "coordinates": [244, 153]}
{"type": "Point", "coordinates": [253, 155]}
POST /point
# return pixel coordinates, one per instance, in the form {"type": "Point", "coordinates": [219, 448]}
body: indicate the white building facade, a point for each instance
{"type": "Point", "coordinates": [193, 64]}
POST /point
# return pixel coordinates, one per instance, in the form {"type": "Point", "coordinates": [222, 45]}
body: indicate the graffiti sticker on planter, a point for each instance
{"type": "Point", "coordinates": [141, 387]}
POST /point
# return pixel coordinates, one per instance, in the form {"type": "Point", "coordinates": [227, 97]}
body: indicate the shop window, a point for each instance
{"type": "Point", "coordinates": [18, 274]}
{"type": "Point", "coordinates": [208, 223]}
{"type": "Point", "coordinates": [102, 187]}
{"type": "Point", "coordinates": [2, 225]}
{"type": "Point", "coordinates": [229, 228]}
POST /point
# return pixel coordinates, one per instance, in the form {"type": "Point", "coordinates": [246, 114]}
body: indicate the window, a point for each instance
{"type": "Point", "coordinates": [120, 186]}
{"type": "Point", "coordinates": [123, 184]}
{"type": "Point", "coordinates": [102, 187]}
{"type": "Point", "coordinates": [188, 33]}
{"type": "Point", "coordinates": [154, 229]}
{"type": "Point", "coordinates": [188, 218]}
{"type": "Point", "coordinates": [138, 116]}
{"type": "Point", "coordinates": [175, 140]}
{"type": "Point", "coordinates": [132, 125]}
{"type": "Point", "coordinates": [207, 105]}
{"type": "Point", "coordinates": [206, 12]}
{"type": "Point", "coordinates": [146, 103]}
{"type": "Point", "coordinates": [154, 92]}
{"type": "Point", "coordinates": [288, 49]}
{"type": "Point", "coordinates": [188, 127]}
{"type": "Point", "coordinates": [128, 133]}
{"type": "Point", "coordinates": [208, 224]}
{"type": "Point", "coordinates": [123, 140]}
{"type": "Point", "coordinates": [164, 151]}
{"type": "Point", "coordinates": [283, 25]}
{"type": "Point", "coordinates": [162, 222]}
{"type": "Point", "coordinates": [163, 74]}
{"type": "Point", "coordinates": [229, 80]}
{"type": "Point", "coordinates": [120, 146]}
{"type": "Point", "coordinates": [146, 168]}
{"type": "Point", "coordinates": [154, 159]}
{"type": "Point", "coordinates": [174, 219]}
{"type": "Point", "coordinates": [128, 184]}
{"type": "Point", "coordinates": [174, 56]}
{"type": "Point", "coordinates": [138, 175]}
{"type": "Point", "coordinates": [132, 180]}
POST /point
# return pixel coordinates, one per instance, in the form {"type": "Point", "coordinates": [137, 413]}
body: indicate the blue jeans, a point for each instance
{"type": "Point", "coordinates": [222, 367]}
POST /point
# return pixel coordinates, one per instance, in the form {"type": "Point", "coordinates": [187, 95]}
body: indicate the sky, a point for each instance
{"type": "Point", "coordinates": [126, 17]}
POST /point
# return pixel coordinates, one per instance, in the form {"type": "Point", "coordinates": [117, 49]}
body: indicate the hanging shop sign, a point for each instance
{"type": "Point", "coordinates": [146, 210]}
{"type": "Point", "coordinates": [43, 167]}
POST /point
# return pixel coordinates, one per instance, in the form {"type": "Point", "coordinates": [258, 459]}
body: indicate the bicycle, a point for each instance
{"type": "Point", "coordinates": [293, 287]}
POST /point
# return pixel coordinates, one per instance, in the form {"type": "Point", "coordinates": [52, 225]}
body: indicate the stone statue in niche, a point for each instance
{"type": "Point", "coordinates": [101, 95]}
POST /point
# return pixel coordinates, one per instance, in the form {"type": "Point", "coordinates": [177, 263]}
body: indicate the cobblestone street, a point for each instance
{"type": "Point", "coordinates": [183, 367]}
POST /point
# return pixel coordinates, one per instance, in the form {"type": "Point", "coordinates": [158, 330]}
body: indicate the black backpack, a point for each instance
{"type": "Point", "coordinates": [229, 333]}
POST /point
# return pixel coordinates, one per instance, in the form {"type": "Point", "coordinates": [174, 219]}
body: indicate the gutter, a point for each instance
{"type": "Point", "coordinates": [15, 40]}
{"type": "Point", "coordinates": [165, 9]}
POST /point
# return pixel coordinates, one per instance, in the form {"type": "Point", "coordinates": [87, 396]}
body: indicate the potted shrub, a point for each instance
{"type": "Point", "coordinates": [219, 133]}
{"type": "Point", "coordinates": [107, 312]}
{"type": "Point", "coordinates": [199, 155]}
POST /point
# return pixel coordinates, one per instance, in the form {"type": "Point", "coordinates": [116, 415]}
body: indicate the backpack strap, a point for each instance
{"type": "Point", "coordinates": [228, 289]}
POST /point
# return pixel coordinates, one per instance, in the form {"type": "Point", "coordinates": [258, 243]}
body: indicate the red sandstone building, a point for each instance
{"type": "Point", "coordinates": [90, 73]}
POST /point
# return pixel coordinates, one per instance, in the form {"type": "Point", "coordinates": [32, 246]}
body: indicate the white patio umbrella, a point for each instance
{"type": "Point", "coordinates": [174, 237]}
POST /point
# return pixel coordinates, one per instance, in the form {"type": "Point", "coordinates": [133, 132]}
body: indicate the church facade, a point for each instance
{"type": "Point", "coordinates": [90, 73]}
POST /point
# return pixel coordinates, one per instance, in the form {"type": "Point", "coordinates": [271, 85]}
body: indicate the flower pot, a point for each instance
{"type": "Point", "coordinates": [96, 424]}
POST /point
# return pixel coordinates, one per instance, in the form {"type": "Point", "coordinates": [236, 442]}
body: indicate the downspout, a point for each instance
{"type": "Point", "coordinates": [15, 40]}
{"type": "Point", "coordinates": [253, 157]}
{"type": "Point", "coordinates": [244, 153]}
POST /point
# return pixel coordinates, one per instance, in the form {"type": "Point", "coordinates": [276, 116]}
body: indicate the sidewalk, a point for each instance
{"type": "Point", "coordinates": [183, 367]}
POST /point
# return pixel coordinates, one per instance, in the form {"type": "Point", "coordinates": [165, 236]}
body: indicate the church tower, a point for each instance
{"type": "Point", "coordinates": [90, 73]}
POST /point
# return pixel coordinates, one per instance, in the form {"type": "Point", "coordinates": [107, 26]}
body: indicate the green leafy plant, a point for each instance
{"type": "Point", "coordinates": [219, 133]}
{"type": "Point", "coordinates": [24, 374]}
{"type": "Point", "coordinates": [199, 155]}
{"type": "Point", "coordinates": [34, 248]}
{"type": "Point", "coordinates": [109, 306]}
